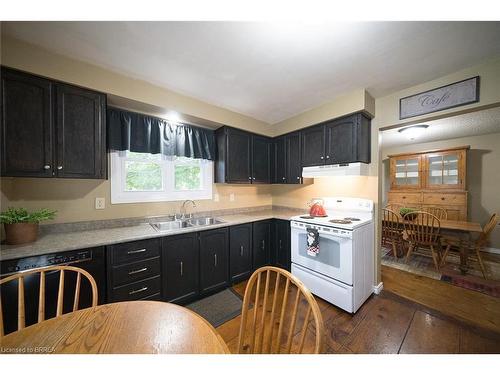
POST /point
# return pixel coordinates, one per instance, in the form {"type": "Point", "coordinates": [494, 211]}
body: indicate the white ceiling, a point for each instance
{"type": "Point", "coordinates": [466, 125]}
{"type": "Point", "coordinates": [271, 71]}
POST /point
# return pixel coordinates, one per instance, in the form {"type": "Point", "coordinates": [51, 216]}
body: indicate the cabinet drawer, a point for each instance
{"type": "Point", "coordinates": [404, 198]}
{"type": "Point", "coordinates": [137, 290]}
{"type": "Point", "coordinates": [134, 251]}
{"type": "Point", "coordinates": [444, 198]}
{"type": "Point", "coordinates": [129, 273]}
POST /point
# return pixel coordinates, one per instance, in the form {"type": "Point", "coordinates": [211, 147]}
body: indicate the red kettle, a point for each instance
{"type": "Point", "coordinates": [316, 208]}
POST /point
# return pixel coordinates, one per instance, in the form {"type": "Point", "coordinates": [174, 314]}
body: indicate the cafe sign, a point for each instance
{"type": "Point", "coordinates": [454, 95]}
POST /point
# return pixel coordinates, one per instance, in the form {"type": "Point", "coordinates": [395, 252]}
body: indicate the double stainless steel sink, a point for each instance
{"type": "Point", "coordinates": [174, 224]}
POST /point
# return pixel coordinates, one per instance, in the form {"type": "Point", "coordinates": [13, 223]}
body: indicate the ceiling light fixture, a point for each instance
{"type": "Point", "coordinates": [414, 131]}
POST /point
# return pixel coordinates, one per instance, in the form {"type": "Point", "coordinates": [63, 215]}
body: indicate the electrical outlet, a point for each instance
{"type": "Point", "coordinates": [100, 203]}
{"type": "Point", "coordinates": [216, 197]}
{"type": "Point", "coordinates": [231, 197]}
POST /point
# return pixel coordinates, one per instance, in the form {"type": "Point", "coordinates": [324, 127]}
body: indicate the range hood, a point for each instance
{"type": "Point", "coordinates": [350, 169]}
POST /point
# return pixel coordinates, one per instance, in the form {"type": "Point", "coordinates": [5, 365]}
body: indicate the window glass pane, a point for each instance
{"type": "Point", "coordinates": [436, 170]}
{"type": "Point", "coordinates": [450, 170]}
{"type": "Point", "coordinates": [412, 172]}
{"type": "Point", "coordinates": [187, 174]}
{"type": "Point", "coordinates": [143, 176]}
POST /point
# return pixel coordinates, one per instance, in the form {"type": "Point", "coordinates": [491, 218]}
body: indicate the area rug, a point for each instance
{"type": "Point", "coordinates": [218, 308]}
{"type": "Point", "coordinates": [491, 288]}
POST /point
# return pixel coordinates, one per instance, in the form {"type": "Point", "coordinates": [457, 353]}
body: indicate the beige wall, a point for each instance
{"type": "Point", "coordinates": [483, 178]}
{"type": "Point", "coordinates": [75, 199]}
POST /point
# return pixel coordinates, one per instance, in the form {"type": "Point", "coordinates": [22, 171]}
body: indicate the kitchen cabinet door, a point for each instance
{"type": "Point", "coordinates": [261, 243]}
{"type": "Point", "coordinates": [240, 252]}
{"type": "Point", "coordinates": [261, 160]}
{"type": "Point", "coordinates": [279, 160]}
{"type": "Point", "coordinates": [238, 154]}
{"type": "Point", "coordinates": [294, 166]}
{"type": "Point", "coordinates": [26, 125]}
{"type": "Point", "coordinates": [313, 146]}
{"type": "Point", "coordinates": [282, 244]}
{"type": "Point", "coordinates": [80, 127]}
{"type": "Point", "coordinates": [348, 140]}
{"type": "Point", "coordinates": [181, 268]}
{"type": "Point", "coordinates": [214, 262]}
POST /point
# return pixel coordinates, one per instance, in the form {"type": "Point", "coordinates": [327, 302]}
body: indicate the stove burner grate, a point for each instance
{"type": "Point", "coordinates": [352, 218]}
{"type": "Point", "coordinates": [340, 221]}
{"type": "Point", "coordinates": [307, 217]}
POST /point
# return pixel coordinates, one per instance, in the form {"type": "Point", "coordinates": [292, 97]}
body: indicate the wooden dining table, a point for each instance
{"type": "Point", "coordinates": [462, 230]}
{"type": "Point", "coordinates": [138, 327]}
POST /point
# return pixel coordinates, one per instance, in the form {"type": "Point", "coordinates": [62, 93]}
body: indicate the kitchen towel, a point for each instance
{"type": "Point", "coordinates": [312, 242]}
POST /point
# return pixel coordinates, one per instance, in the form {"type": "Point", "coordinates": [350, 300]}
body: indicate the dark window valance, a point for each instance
{"type": "Point", "coordinates": [137, 132]}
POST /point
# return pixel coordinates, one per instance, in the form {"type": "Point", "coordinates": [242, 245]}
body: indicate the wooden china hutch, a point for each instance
{"type": "Point", "coordinates": [431, 178]}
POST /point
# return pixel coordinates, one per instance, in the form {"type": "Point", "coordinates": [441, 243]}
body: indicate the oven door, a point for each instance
{"type": "Point", "coordinates": [335, 252]}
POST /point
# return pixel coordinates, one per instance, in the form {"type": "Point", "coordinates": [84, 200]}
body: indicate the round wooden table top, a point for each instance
{"type": "Point", "coordinates": [138, 327]}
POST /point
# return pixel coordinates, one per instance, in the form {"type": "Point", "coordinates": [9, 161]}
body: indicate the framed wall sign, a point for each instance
{"type": "Point", "coordinates": [449, 96]}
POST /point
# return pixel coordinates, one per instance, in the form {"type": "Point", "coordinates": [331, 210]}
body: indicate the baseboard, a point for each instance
{"type": "Point", "coordinates": [491, 250]}
{"type": "Point", "coordinates": [378, 288]}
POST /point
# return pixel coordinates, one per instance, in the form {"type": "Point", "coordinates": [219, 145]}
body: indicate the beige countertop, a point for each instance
{"type": "Point", "coordinates": [56, 242]}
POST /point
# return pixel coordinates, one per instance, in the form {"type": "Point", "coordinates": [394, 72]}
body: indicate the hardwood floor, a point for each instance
{"type": "Point", "coordinates": [388, 323]}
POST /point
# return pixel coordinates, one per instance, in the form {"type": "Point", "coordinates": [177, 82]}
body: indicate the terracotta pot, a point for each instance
{"type": "Point", "coordinates": [16, 234]}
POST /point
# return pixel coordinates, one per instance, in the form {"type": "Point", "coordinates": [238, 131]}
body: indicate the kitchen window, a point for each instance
{"type": "Point", "coordinates": [140, 177]}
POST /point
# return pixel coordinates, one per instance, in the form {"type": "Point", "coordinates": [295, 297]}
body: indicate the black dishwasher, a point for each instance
{"type": "Point", "coordinates": [92, 260]}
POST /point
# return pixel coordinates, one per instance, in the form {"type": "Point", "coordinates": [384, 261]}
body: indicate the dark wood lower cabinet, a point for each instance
{"type": "Point", "coordinates": [262, 243]}
{"type": "Point", "coordinates": [214, 260]}
{"type": "Point", "coordinates": [181, 268]}
{"type": "Point", "coordinates": [282, 244]}
{"type": "Point", "coordinates": [240, 252]}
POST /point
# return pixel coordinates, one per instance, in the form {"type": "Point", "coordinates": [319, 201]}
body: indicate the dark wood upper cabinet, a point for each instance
{"type": "Point", "coordinates": [26, 134]}
{"type": "Point", "coordinates": [181, 267]}
{"type": "Point", "coordinates": [214, 260]}
{"type": "Point", "coordinates": [313, 146]}
{"type": "Point", "coordinates": [261, 157]}
{"type": "Point", "coordinates": [80, 128]}
{"type": "Point", "coordinates": [279, 161]}
{"type": "Point", "coordinates": [293, 165]}
{"type": "Point", "coordinates": [261, 243]}
{"type": "Point", "coordinates": [242, 157]}
{"type": "Point", "coordinates": [51, 129]}
{"type": "Point", "coordinates": [240, 252]}
{"type": "Point", "coordinates": [339, 141]}
{"type": "Point", "coordinates": [348, 140]}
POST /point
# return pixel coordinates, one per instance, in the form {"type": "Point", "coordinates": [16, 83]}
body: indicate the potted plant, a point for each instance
{"type": "Point", "coordinates": [410, 213]}
{"type": "Point", "coordinates": [21, 226]}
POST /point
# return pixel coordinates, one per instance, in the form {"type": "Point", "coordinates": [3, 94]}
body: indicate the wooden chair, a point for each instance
{"type": "Point", "coordinates": [392, 231]}
{"type": "Point", "coordinates": [394, 207]}
{"type": "Point", "coordinates": [439, 212]}
{"type": "Point", "coordinates": [21, 312]}
{"type": "Point", "coordinates": [473, 247]}
{"type": "Point", "coordinates": [423, 232]}
{"type": "Point", "coordinates": [277, 313]}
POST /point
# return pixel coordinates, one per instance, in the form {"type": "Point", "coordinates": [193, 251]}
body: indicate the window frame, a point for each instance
{"type": "Point", "coordinates": [168, 193]}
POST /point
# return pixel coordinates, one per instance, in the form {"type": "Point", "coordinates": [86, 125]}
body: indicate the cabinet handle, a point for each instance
{"type": "Point", "coordinates": [215, 260]}
{"type": "Point", "coordinates": [182, 269]}
{"type": "Point", "coordinates": [298, 178]}
{"type": "Point", "coordinates": [249, 178]}
{"type": "Point", "coordinates": [321, 157]}
{"type": "Point", "coordinates": [254, 178]}
{"type": "Point", "coordinates": [404, 197]}
{"type": "Point", "coordinates": [328, 156]}
{"type": "Point", "coordinates": [263, 244]}
{"type": "Point", "coordinates": [138, 271]}
{"type": "Point", "coordinates": [241, 250]}
{"type": "Point", "coordinates": [46, 166]}
{"type": "Point", "coordinates": [442, 198]}
{"type": "Point", "coordinates": [136, 251]}
{"type": "Point", "coordinates": [284, 178]}
{"type": "Point", "coordinates": [138, 290]}
{"type": "Point", "coordinates": [59, 167]}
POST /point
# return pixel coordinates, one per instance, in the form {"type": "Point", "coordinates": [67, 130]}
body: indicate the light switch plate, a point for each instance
{"type": "Point", "coordinates": [100, 203]}
{"type": "Point", "coordinates": [231, 197]}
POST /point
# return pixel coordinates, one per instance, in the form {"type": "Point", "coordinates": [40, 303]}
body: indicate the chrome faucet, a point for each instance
{"type": "Point", "coordinates": [183, 208]}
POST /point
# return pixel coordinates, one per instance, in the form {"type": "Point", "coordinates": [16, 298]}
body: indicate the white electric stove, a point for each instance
{"type": "Point", "coordinates": [343, 271]}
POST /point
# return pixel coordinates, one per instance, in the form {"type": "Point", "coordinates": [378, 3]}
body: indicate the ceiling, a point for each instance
{"type": "Point", "coordinates": [466, 125]}
{"type": "Point", "coordinates": [270, 71]}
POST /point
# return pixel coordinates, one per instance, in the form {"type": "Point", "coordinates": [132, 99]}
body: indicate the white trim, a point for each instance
{"type": "Point", "coordinates": [119, 195]}
{"type": "Point", "coordinates": [491, 250]}
{"type": "Point", "coordinates": [377, 289]}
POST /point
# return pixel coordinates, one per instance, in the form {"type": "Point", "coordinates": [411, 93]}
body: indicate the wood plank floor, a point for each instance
{"type": "Point", "coordinates": [388, 323]}
{"type": "Point", "coordinates": [468, 306]}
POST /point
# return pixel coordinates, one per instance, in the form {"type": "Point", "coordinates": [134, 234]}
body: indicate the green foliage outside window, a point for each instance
{"type": "Point", "coordinates": [143, 176]}
{"type": "Point", "coordinates": [187, 177]}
